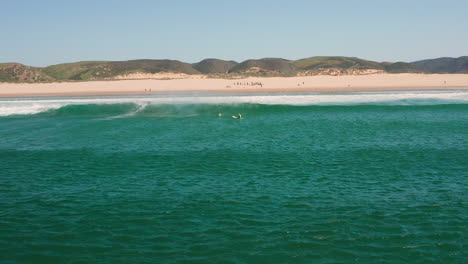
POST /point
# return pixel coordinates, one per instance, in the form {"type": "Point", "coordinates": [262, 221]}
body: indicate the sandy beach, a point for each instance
{"type": "Point", "coordinates": [253, 84]}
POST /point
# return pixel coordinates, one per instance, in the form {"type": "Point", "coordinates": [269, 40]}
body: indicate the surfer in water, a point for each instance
{"type": "Point", "coordinates": [238, 116]}
{"type": "Point", "coordinates": [220, 115]}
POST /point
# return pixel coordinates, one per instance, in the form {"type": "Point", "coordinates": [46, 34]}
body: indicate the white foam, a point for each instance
{"type": "Point", "coordinates": [25, 108]}
{"type": "Point", "coordinates": [141, 106]}
{"type": "Point", "coordinates": [34, 106]}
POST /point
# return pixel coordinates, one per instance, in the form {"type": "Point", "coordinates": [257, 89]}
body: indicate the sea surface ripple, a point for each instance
{"type": "Point", "coordinates": [148, 181]}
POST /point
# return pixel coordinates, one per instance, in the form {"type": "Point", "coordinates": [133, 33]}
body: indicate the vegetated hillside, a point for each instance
{"type": "Point", "coordinates": [102, 70]}
{"type": "Point", "coordinates": [99, 70]}
{"type": "Point", "coordinates": [443, 65]}
{"type": "Point", "coordinates": [71, 71]}
{"type": "Point", "coordinates": [401, 67]}
{"type": "Point", "coordinates": [314, 63]}
{"type": "Point", "coordinates": [265, 67]}
{"type": "Point", "coordinates": [210, 66]}
{"type": "Point", "coordinates": [16, 72]}
{"type": "Point", "coordinates": [147, 66]}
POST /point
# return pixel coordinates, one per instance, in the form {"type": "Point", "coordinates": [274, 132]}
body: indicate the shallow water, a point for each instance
{"type": "Point", "coordinates": [344, 178]}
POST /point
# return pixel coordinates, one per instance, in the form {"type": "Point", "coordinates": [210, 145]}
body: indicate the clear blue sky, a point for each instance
{"type": "Point", "coordinates": [48, 32]}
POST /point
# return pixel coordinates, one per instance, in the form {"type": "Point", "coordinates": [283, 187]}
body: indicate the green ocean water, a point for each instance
{"type": "Point", "coordinates": [372, 178]}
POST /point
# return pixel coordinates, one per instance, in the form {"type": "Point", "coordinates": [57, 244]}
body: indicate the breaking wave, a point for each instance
{"type": "Point", "coordinates": [122, 107]}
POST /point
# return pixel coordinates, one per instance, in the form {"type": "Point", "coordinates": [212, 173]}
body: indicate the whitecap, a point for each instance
{"type": "Point", "coordinates": [34, 106]}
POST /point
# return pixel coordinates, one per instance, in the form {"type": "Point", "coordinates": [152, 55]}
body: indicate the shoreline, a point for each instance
{"type": "Point", "coordinates": [223, 92]}
{"type": "Point", "coordinates": [308, 84]}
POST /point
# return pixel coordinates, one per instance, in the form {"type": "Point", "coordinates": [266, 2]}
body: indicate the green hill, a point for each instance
{"type": "Point", "coordinates": [71, 71]}
{"type": "Point", "coordinates": [16, 72]}
{"type": "Point", "coordinates": [401, 67]}
{"type": "Point", "coordinates": [100, 70]}
{"type": "Point", "coordinates": [213, 66]}
{"type": "Point", "coordinates": [147, 66]}
{"type": "Point", "coordinates": [314, 63]}
{"type": "Point", "coordinates": [443, 65]}
{"type": "Point", "coordinates": [266, 67]}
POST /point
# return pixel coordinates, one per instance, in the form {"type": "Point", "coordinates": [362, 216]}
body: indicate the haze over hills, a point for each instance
{"type": "Point", "coordinates": [267, 67]}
